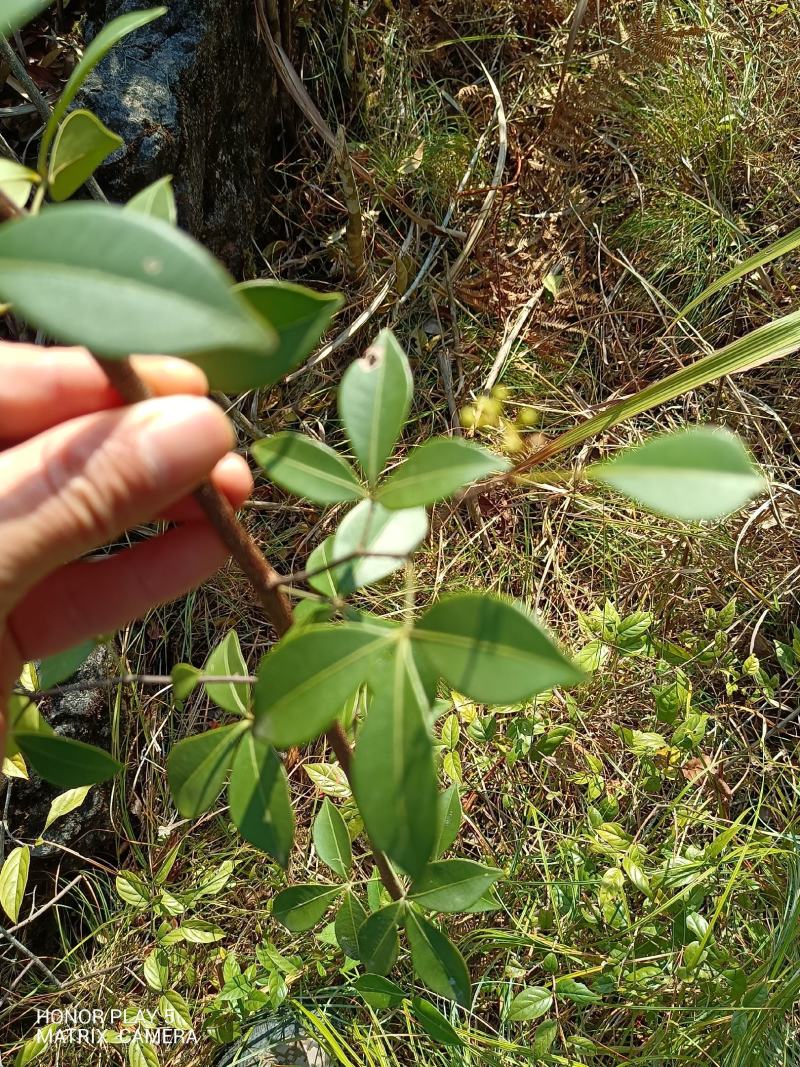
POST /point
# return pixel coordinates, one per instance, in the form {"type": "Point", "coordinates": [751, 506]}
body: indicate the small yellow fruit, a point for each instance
{"type": "Point", "coordinates": [512, 442]}
{"type": "Point", "coordinates": [468, 417]}
{"type": "Point", "coordinates": [529, 417]}
{"type": "Point", "coordinates": [501, 392]}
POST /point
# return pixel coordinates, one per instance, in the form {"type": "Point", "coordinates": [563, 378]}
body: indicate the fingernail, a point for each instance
{"type": "Point", "coordinates": [168, 375]}
{"type": "Point", "coordinates": [181, 438]}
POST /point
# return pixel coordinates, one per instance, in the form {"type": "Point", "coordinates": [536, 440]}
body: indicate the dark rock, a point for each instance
{"type": "Point", "coordinates": [193, 94]}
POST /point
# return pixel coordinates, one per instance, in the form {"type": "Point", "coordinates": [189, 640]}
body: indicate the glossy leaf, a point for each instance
{"type": "Point", "coordinates": [304, 681]}
{"type": "Point", "coordinates": [372, 529]}
{"type": "Point", "coordinates": [95, 52]}
{"type": "Point", "coordinates": [156, 201]}
{"type": "Point", "coordinates": [491, 649]}
{"type": "Point", "coordinates": [533, 1002]}
{"type": "Point", "coordinates": [156, 970]}
{"type": "Point", "coordinates": [436, 470]}
{"type": "Point", "coordinates": [307, 468]}
{"type": "Point", "coordinates": [17, 12]}
{"type": "Point", "coordinates": [322, 557]}
{"type": "Point", "coordinates": [118, 282]}
{"type": "Point", "coordinates": [175, 1011]}
{"type": "Point", "coordinates": [258, 794]}
{"type": "Point", "coordinates": [437, 962]}
{"type": "Point", "coordinates": [577, 992]}
{"type": "Point", "coordinates": [332, 840]}
{"type": "Point", "coordinates": [197, 767]}
{"type": "Point", "coordinates": [302, 906]}
{"type": "Point", "coordinates": [298, 315]}
{"type": "Point", "coordinates": [65, 803]}
{"type": "Point", "coordinates": [13, 879]}
{"type": "Point", "coordinates": [227, 659]}
{"type": "Point", "coordinates": [701, 473]}
{"type": "Point", "coordinates": [452, 885]}
{"type": "Point", "coordinates": [132, 890]}
{"type": "Point", "coordinates": [450, 815]}
{"type": "Point", "coordinates": [394, 772]}
{"type": "Point", "coordinates": [81, 145]}
{"type": "Point", "coordinates": [349, 919]}
{"type": "Point", "coordinates": [16, 181]}
{"type": "Point", "coordinates": [435, 1025]}
{"type": "Point", "coordinates": [64, 762]}
{"type": "Point", "coordinates": [379, 992]}
{"type": "Point", "coordinates": [374, 401]}
{"type": "Point", "coordinates": [377, 939]}
{"type": "Point", "coordinates": [185, 679]}
{"type": "Point", "coordinates": [58, 668]}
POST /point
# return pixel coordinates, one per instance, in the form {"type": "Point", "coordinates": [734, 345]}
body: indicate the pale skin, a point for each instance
{"type": "Point", "coordinates": [77, 469]}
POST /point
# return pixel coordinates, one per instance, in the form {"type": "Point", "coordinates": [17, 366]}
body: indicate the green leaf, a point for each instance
{"type": "Point", "coordinates": [81, 145]}
{"type": "Point", "coordinates": [434, 1023]}
{"type": "Point", "coordinates": [118, 282]}
{"type": "Point", "coordinates": [227, 659]}
{"type": "Point", "coordinates": [185, 679]}
{"type": "Point", "coordinates": [577, 992]}
{"type": "Point", "coordinates": [302, 906]}
{"type": "Point", "coordinates": [197, 766]}
{"type": "Point", "coordinates": [157, 201]}
{"type": "Point", "coordinates": [700, 473]}
{"type": "Point", "coordinates": [452, 885]}
{"type": "Point", "coordinates": [543, 1037]}
{"type": "Point", "coordinates": [17, 181]}
{"type": "Point", "coordinates": [156, 970]}
{"type": "Point", "coordinates": [174, 1010]}
{"type": "Point", "coordinates": [349, 919]}
{"type": "Point", "coordinates": [377, 939]}
{"type": "Point", "coordinates": [305, 680]}
{"type": "Point", "coordinates": [307, 468]}
{"type": "Point", "coordinates": [436, 470]}
{"type": "Point", "coordinates": [372, 529]}
{"type": "Point", "coordinates": [97, 50]}
{"type": "Point", "coordinates": [449, 821]}
{"type": "Point", "coordinates": [13, 879]}
{"type": "Point", "coordinates": [531, 1003]}
{"type": "Point", "coordinates": [323, 581]}
{"type": "Point", "coordinates": [258, 794]}
{"type": "Point", "coordinates": [378, 992]}
{"type": "Point", "coordinates": [65, 803]}
{"type": "Point", "coordinates": [17, 12]}
{"type": "Point", "coordinates": [331, 839]}
{"type": "Point", "coordinates": [491, 650]}
{"type": "Point", "coordinates": [374, 401]}
{"type": "Point", "coordinates": [58, 668]}
{"type": "Point", "coordinates": [132, 890]}
{"type": "Point", "coordinates": [437, 962]}
{"type": "Point", "coordinates": [64, 762]}
{"type": "Point", "coordinates": [298, 315]}
{"type": "Point", "coordinates": [142, 1054]}
{"type": "Point", "coordinates": [394, 771]}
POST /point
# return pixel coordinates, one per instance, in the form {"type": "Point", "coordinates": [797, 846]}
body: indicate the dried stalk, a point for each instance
{"type": "Point", "coordinates": [355, 227]}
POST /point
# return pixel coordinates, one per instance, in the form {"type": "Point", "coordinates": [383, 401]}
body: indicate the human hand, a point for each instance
{"type": "Point", "coordinates": [76, 470]}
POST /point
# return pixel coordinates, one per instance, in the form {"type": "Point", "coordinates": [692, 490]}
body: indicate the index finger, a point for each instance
{"type": "Point", "coordinates": [41, 387]}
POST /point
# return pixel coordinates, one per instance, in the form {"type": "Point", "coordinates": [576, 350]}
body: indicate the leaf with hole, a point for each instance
{"type": "Point", "coordinates": [701, 473]}
{"type": "Point", "coordinates": [258, 794]}
{"type": "Point", "coordinates": [386, 539]}
{"type": "Point", "coordinates": [394, 772]}
{"type": "Point", "coordinates": [452, 885]}
{"type": "Point", "coordinates": [491, 649]}
{"type": "Point", "coordinates": [331, 839]}
{"type": "Point", "coordinates": [64, 762]}
{"type": "Point", "coordinates": [96, 51]}
{"type": "Point", "coordinates": [307, 468]}
{"type": "Point", "coordinates": [304, 682]}
{"type": "Point", "coordinates": [436, 470]}
{"type": "Point", "coordinates": [436, 960]}
{"type": "Point", "coordinates": [227, 659]}
{"type": "Point", "coordinates": [299, 317]}
{"type": "Point", "coordinates": [157, 201]}
{"type": "Point", "coordinates": [302, 906]}
{"type": "Point", "coordinates": [118, 282]}
{"type": "Point", "coordinates": [531, 1003]}
{"type": "Point", "coordinates": [349, 919]}
{"type": "Point", "coordinates": [378, 992]}
{"type": "Point", "coordinates": [13, 879]}
{"type": "Point", "coordinates": [16, 181]}
{"type": "Point", "coordinates": [81, 145]}
{"type": "Point", "coordinates": [377, 939]}
{"type": "Point", "coordinates": [435, 1025]}
{"type": "Point", "coordinates": [197, 767]}
{"type": "Point", "coordinates": [374, 401]}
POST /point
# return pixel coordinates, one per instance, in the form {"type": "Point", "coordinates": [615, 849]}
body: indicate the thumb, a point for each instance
{"type": "Point", "coordinates": [81, 484]}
